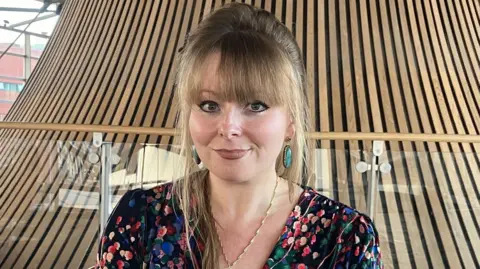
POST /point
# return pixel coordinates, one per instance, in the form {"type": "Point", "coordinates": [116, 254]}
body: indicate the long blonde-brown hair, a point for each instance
{"type": "Point", "coordinates": [260, 60]}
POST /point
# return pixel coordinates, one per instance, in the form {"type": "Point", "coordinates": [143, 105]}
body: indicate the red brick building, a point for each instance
{"type": "Point", "coordinates": [12, 75]}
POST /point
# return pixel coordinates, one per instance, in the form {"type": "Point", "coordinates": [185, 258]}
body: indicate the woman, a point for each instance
{"type": "Point", "coordinates": [241, 90]}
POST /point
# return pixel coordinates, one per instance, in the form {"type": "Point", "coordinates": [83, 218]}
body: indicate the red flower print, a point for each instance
{"type": "Point", "coordinates": [120, 264]}
{"type": "Point", "coordinates": [313, 239]}
{"type": "Point", "coordinates": [112, 249]}
{"type": "Point", "coordinates": [183, 242]}
{"type": "Point", "coordinates": [297, 244]}
{"type": "Point", "coordinates": [305, 220]}
{"type": "Point", "coordinates": [357, 251]}
{"type": "Point", "coordinates": [158, 189]}
{"type": "Point", "coordinates": [171, 230]}
{"type": "Point", "coordinates": [119, 219]}
{"type": "Point", "coordinates": [128, 255]}
{"type": "Point", "coordinates": [321, 213]}
{"type": "Point", "coordinates": [335, 218]}
{"type": "Point", "coordinates": [162, 231]}
{"type": "Point", "coordinates": [297, 233]}
{"type": "Point", "coordinates": [301, 266]}
{"type": "Point", "coordinates": [201, 246]}
{"type": "Point", "coordinates": [306, 251]}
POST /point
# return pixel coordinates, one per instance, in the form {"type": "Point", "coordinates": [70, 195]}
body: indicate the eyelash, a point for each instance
{"type": "Point", "coordinates": [259, 103]}
{"type": "Point", "coordinates": [205, 103]}
{"type": "Point", "coordinates": [202, 104]}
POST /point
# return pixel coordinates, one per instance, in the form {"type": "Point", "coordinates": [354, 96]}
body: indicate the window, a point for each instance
{"type": "Point", "coordinates": [13, 87]}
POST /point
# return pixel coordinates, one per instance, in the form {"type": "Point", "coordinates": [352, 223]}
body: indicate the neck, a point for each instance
{"type": "Point", "coordinates": [246, 200]}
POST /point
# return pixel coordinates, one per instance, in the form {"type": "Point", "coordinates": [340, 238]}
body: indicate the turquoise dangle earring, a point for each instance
{"type": "Point", "coordinates": [287, 155]}
{"type": "Point", "coordinates": [196, 158]}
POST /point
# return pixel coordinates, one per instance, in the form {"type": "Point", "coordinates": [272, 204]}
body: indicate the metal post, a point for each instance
{"type": "Point", "coordinates": [372, 187]}
{"type": "Point", "coordinates": [28, 57]}
{"type": "Point", "coordinates": [105, 197]}
{"type": "Point", "coordinates": [373, 183]}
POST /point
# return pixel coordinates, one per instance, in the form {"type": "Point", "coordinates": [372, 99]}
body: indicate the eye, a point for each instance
{"type": "Point", "coordinates": [257, 106]}
{"type": "Point", "coordinates": [209, 106]}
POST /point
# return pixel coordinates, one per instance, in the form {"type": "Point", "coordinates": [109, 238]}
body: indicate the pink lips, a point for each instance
{"type": "Point", "coordinates": [232, 154]}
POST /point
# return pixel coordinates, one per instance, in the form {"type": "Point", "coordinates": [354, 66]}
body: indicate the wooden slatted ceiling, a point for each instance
{"type": "Point", "coordinates": [372, 66]}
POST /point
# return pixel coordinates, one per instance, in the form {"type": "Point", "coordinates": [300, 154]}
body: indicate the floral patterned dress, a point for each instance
{"type": "Point", "coordinates": [147, 228]}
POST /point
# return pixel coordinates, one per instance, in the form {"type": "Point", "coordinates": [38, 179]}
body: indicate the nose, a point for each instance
{"type": "Point", "coordinates": [230, 124]}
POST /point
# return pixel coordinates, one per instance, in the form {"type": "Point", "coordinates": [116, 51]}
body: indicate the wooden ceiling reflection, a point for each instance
{"type": "Point", "coordinates": [373, 66]}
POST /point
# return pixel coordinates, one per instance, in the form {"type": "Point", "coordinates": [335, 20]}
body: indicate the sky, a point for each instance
{"type": "Point", "coordinates": [45, 26]}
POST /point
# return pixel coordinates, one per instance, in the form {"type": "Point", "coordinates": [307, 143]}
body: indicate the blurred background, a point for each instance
{"type": "Point", "coordinates": [393, 87]}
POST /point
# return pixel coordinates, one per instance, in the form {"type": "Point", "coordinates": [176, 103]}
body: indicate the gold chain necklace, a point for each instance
{"type": "Point", "coordinates": [253, 238]}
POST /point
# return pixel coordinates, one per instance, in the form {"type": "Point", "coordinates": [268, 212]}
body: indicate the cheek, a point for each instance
{"type": "Point", "coordinates": [201, 128]}
{"type": "Point", "coordinates": [269, 132]}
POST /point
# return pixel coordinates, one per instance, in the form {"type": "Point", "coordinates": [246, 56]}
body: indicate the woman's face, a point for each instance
{"type": "Point", "coordinates": [236, 142]}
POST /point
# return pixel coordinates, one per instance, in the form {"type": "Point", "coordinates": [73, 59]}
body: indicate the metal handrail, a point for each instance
{"type": "Point", "coordinates": [405, 137]}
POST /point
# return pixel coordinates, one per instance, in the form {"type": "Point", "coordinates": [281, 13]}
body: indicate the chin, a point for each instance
{"type": "Point", "coordinates": [232, 174]}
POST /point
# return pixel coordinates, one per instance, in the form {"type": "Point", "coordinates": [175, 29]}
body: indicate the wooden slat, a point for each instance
{"type": "Point", "coordinates": [372, 66]}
